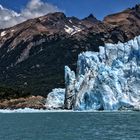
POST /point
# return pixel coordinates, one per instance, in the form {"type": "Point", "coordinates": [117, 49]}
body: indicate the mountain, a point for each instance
{"type": "Point", "coordinates": [127, 21]}
{"type": "Point", "coordinates": [105, 80]}
{"type": "Point", "coordinates": [33, 54]}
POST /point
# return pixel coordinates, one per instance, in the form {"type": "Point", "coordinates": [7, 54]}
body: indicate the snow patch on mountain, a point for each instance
{"type": "Point", "coordinates": [76, 30]}
{"type": "Point", "coordinates": [3, 33]}
{"type": "Point", "coordinates": [68, 29]}
{"type": "Point", "coordinates": [72, 30]}
{"type": "Point", "coordinates": [70, 21]}
{"type": "Point", "coordinates": [12, 30]}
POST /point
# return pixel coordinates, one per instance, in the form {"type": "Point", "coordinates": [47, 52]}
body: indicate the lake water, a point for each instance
{"type": "Point", "coordinates": [70, 126]}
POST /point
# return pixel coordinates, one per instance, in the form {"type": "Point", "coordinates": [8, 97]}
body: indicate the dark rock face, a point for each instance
{"type": "Point", "coordinates": [33, 54]}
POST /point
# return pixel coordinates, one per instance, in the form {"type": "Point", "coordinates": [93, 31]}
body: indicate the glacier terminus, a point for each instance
{"type": "Point", "coordinates": [104, 80]}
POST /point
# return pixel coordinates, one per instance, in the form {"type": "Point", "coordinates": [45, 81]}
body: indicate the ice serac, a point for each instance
{"type": "Point", "coordinates": [106, 80]}
{"type": "Point", "coordinates": [55, 99]}
{"type": "Point", "coordinates": [70, 83]}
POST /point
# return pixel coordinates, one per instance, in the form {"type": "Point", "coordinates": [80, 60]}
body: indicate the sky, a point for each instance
{"type": "Point", "coordinates": [17, 11]}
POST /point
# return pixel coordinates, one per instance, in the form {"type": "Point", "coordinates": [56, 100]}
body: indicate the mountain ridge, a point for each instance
{"type": "Point", "coordinates": [33, 53]}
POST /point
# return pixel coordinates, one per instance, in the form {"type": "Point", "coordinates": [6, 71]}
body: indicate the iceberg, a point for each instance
{"type": "Point", "coordinates": [105, 80]}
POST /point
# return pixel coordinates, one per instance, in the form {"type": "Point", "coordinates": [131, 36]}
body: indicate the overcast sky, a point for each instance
{"type": "Point", "coordinates": [13, 12]}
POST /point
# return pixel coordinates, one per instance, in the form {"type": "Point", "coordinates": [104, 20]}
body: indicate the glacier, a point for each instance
{"type": "Point", "coordinates": [105, 80]}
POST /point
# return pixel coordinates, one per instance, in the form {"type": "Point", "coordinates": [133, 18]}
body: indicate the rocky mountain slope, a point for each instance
{"type": "Point", "coordinates": [33, 54]}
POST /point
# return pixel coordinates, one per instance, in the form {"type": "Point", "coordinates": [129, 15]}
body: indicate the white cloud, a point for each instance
{"type": "Point", "coordinates": [33, 9]}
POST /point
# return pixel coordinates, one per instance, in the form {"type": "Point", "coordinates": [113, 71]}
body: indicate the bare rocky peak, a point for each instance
{"type": "Point", "coordinates": [91, 18]}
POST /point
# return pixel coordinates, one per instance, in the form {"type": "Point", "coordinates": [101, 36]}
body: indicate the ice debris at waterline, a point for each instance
{"type": "Point", "coordinates": [105, 80]}
{"type": "Point", "coordinates": [30, 110]}
{"type": "Point", "coordinates": [21, 110]}
{"type": "Point", "coordinates": [55, 99]}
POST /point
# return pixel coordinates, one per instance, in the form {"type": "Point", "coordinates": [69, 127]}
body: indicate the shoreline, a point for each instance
{"type": "Point", "coordinates": [30, 110]}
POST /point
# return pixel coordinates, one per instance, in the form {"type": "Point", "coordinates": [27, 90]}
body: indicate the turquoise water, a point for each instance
{"type": "Point", "coordinates": [70, 126]}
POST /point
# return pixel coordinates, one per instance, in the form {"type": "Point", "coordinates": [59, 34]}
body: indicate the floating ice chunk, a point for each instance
{"type": "Point", "coordinates": [20, 110]}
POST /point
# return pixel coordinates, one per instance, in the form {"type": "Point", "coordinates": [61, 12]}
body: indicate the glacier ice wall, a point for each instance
{"type": "Point", "coordinates": [70, 86]}
{"type": "Point", "coordinates": [105, 80]}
